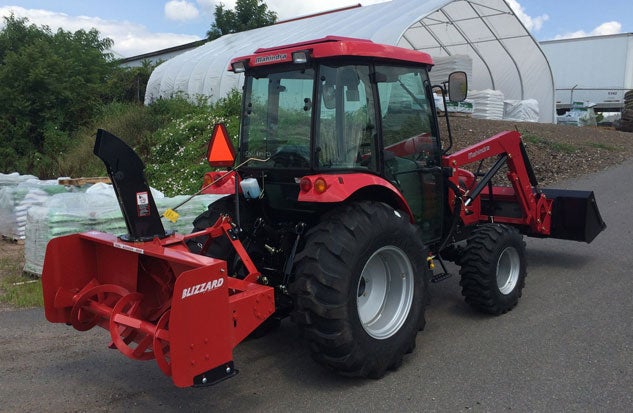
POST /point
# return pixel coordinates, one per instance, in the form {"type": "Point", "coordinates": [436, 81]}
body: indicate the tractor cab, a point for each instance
{"type": "Point", "coordinates": [338, 119]}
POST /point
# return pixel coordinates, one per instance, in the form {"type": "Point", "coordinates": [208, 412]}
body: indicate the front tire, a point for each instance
{"type": "Point", "coordinates": [360, 288]}
{"type": "Point", "coordinates": [493, 269]}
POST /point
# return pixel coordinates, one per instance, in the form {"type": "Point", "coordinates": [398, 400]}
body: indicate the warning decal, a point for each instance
{"type": "Point", "coordinates": [142, 204]}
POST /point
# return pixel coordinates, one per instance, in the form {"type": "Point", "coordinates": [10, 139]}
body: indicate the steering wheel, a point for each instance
{"type": "Point", "coordinates": [289, 157]}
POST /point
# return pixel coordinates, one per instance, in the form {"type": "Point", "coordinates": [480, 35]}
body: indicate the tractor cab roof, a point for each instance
{"type": "Point", "coordinates": [330, 46]}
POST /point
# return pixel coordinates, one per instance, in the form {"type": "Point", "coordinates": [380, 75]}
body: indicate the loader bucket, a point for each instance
{"type": "Point", "coordinates": [575, 215]}
{"type": "Point", "coordinates": [157, 300]}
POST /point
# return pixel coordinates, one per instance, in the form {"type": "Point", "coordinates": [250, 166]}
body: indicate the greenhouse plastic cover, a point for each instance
{"type": "Point", "coordinates": [504, 55]}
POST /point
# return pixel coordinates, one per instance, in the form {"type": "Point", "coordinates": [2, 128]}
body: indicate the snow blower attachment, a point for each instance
{"type": "Point", "coordinates": [158, 300]}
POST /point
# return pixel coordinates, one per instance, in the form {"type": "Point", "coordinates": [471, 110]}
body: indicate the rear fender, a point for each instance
{"type": "Point", "coordinates": [219, 182]}
{"type": "Point", "coordinates": [341, 187]}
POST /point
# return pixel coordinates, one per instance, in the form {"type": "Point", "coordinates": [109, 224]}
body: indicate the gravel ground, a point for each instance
{"type": "Point", "coordinates": [557, 152]}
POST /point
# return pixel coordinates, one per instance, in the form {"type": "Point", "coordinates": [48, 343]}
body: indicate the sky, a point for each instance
{"type": "Point", "coordinates": [143, 26]}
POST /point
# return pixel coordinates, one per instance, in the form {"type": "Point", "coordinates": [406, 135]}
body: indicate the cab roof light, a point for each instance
{"type": "Point", "coordinates": [239, 66]}
{"type": "Point", "coordinates": [300, 56]}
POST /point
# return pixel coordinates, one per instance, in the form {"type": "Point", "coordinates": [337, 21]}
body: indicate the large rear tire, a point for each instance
{"type": "Point", "coordinates": [493, 269]}
{"type": "Point", "coordinates": [221, 247]}
{"type": "Point", "coordinates": [360, 288]}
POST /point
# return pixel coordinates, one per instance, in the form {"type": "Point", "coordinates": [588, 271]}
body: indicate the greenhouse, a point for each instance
{"type": "Point", "coordinates": [484, 38]}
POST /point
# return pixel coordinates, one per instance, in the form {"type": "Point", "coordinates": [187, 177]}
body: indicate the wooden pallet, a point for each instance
{"type": "Point", "coordinates": [83, 181]}
{"type": "Point", "coordinates": [13, 240]}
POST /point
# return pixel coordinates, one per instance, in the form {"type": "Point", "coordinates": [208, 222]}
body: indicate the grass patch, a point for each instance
{"type": "Point", "coordinates": [555, 146]}
{"type": "Point", "coordinates": [19, 290]}
{"type": "Point", "coordinates": [598, 145]}
{"type": "Point", "coordinates": [22, 291]}
{"type": "Point", "coordinates": [563, 147]}
{"type": "Point", "coordinates": [533, 139]}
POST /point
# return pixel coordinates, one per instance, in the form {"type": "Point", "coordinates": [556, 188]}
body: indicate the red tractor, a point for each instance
{"type": "Point", "coordinates": [343, 200]}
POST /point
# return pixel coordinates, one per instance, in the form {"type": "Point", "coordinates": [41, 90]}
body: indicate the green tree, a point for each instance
{"type": "Point", "coordinates": [51, 83]}
{"type": "Point", "coordinates": [128, 84]}
{"type": "Point", "coordinates": [248, 14]}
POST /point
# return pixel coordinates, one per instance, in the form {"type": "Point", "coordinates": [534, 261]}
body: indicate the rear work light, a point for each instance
{"type": "Point", "coordinates": [239, 67]}
{"type": "Point", "coordinates": [300, 56]}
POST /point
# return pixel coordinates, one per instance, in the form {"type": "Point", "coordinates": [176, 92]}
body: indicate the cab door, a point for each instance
{"type": "Point", "coordinates": [411, 144]}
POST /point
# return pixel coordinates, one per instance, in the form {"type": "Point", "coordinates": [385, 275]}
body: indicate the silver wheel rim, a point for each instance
{"type": "Point", "coordinates": [385, 292]}
{"type": "Point", "coordinates": [508, 270]}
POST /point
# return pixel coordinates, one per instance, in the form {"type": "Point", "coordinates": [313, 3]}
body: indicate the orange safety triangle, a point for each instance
{"type": "Point", "coordinates": [221, 151]}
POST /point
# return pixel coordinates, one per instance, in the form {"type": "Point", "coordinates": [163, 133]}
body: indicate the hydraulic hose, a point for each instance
{"type": "Point", "coordinates": [457, 209]}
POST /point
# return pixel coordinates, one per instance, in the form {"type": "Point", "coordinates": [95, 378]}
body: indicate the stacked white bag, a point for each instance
{"type": "Point", "coordinates": [487, 104]}
{"type": "Point", "coordinates": [17, 196]}
{"type": "Point", "coordinates": [521, 110]}
{"type": "Point", "coordinates": [65, 214]}
{"type": "Point", "coordinates": [14, 178]}
{"type": "Point", "coordinates": [445, 65]}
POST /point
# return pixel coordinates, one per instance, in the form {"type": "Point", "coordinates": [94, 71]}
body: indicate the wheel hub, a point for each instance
{"type": "Point", "coordinates": [508, 270]}
{"type": "Point", "coordinates": [385, 292]}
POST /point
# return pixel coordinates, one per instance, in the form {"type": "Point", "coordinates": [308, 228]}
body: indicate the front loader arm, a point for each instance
{"type": "Point", "coordinates": [507, 146]}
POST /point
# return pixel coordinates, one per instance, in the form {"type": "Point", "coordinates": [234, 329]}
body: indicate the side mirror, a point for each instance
{"type": "Point", "coordinates": [329, 96]}
{"type": "Point", "coordinates": [457, 86]}
{"type": "Point", "coordinates": [221, 152]}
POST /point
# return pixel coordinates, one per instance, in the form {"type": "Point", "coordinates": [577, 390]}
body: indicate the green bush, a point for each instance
{"type": "Point", "coordinates": [176, 155]}
{"type": "Point", "coordinates": [129, 121]}
{"type": "Point", "coordinates": [50, 85]}
{"type": "Point", "coordinates": [177, 161]}
{"type": "Point", "coordinates": [170, 136]}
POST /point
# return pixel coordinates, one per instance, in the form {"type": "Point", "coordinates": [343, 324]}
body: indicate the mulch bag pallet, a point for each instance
{"type": "Point", "coordinates": [521, 110]}
{"type": "Point", "coordinates": [487, 104]}
{"type": "Point", "coordinates": [581, 114]}
{"type": "Point", "coordinates": [445, 65]}
{"type": "Point", "coordinates": [70, 213]}
{"type": "Point", "coordinates": [18, 193]}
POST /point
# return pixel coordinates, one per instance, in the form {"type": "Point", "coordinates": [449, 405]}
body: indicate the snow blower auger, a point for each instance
{"type": "Point", "coordinates": [158, 300]}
